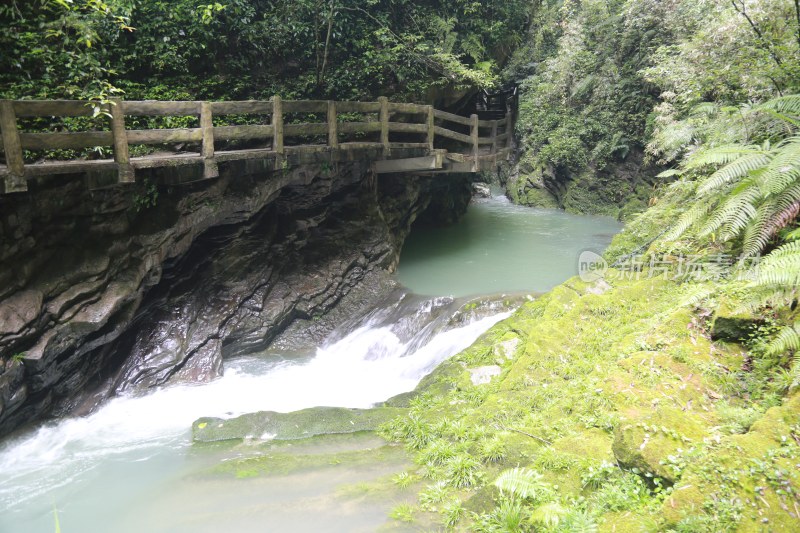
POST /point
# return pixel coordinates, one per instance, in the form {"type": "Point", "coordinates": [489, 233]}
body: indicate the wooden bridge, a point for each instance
{"type": "Point", "coordinates": [398, 137]}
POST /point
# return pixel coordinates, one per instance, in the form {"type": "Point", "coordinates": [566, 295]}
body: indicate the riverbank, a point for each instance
{"type": "Point", "coordinates": [626, 402]}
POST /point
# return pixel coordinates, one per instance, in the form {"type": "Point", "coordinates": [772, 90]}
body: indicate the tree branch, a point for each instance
{"type": "Point", "coordinates": [742, 10]}
{"type": "Point", "coordinates": [797, 13]}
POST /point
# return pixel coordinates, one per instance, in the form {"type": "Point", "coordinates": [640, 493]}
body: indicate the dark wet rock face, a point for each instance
{"type": "Point", "coordinates": [98, 297]}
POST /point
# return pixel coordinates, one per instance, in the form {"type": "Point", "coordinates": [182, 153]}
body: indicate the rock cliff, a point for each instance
{"type": "Point", "coordinates": [111, 289]}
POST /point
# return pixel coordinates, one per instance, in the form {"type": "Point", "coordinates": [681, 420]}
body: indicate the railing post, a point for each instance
{"type": "Point", "coordinates": [384, 118]}
{"type": "Point", "coordinates": [15, 179]}
{"type": "Point", "coordinates": [475, 146]}
{"type": "Point", "coordinates": [494, 136]}
{"type": "Point", "coordinates": [125, 172]}
{"type": "Point", "coordinates": [210, 168]}
{"type": "Point", "coordinates": [277, 125]}
{"type": "Point", "coordinates": [333, 131]}
{"type": "Point", "coordinates": [431, 128]}
{"type": "Point", "coordinates": [509, 132]}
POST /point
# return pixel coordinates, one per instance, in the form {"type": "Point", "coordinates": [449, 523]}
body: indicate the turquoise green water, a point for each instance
{"type": "Point", "coordinates": [500, 247]}
{"type": "Point", "coordinates": [130, 466]}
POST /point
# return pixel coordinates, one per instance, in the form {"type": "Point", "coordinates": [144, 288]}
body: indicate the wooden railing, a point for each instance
{"type": "Point", "coordinates": [377, 118]}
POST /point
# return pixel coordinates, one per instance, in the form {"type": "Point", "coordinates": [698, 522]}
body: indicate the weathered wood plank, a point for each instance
{"type": "Point", "coordinates": [487, 123]}
{"type": "Point", "coordinates": [502, 137]}
{"type": "Point", "coordinates": [250, 131]}
{"type": "Point", "coordinates": [360, 145]}
{"type": "Point", "coordinates": [431, 127]}
{"type": "Point", "coordinates": [305, 106]}
{"type": "Point", "coordinates": [388, 166]}
{"type": "Point", "coordinates": [210, 169]}
{"type": "Point", "coordinates": [509, 129]}
{"type": "Point", "coordinates": [397, 107]}
{"type": "Point", "coordinates": [125, 173]}
{"type": "Point", "coordinates": [48, 168]}
{"type": "Point", "coordinates": [359, 127]}
{"type": "Point", "coordinates": [333, 132]}
{"type": "Point", "coordinates": [444, 115]}
{"type": "Point", "coordinates": [65, 140]}
{"type": "Point", "coordinates": [151, 161]}
{"type": "Point", "coordinates": [484, 141]}
{"type": "Point", "coordinates": [408, 145]}
{"type": "Point", "coordinates": [450, 134]}
{"type": "Point", "coordinates": [384, 119]}
{"type": "Point", "coordinates": [474, 133]}
{"type": "Point", "coordinates": [277, 124]}
{"type": "Point", "coordinates": [307, 148]}
{"type": "Point", "coordinates": [159, 108]}
{"type": "Point", "coordinates": [236, 155]}
{"type": "Point", "coordinates": [12, 144]}
{"type": "Point", "coordinates": [55, 108]}
{"type": "Point", "coordinates": [494, 136]}
{"type": "Point", "coordinates": [163, 136]}
{"type": "Point", "coordinates": [358, 107]}
{"type": "Point", "coordinates": [294, 130]}
{"type": "Point", "coordinates": [404, 127]}
{"type": "Point", "coordinates": [245, 107]}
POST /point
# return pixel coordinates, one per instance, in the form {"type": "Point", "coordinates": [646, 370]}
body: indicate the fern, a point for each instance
{"type": "Point", "coordinates": [735, 212]}
{"type": "Point", "coordinates": [781, 267]}
{"type": "Point", "coordinates": [738, 168]}
{"type": "Point", "coordinates": [688, 219]}
{"type": "Point", "coordinates": [721, 155]}
{"type": "Point", "coordinates": [549, 515]}
{"type": "Point", "coordinates": [754, 193]}
{"type": "Point", "coordinates": [522, 482]}
{"type": "Point", "coordinates": [787, 340]}
{"type": "Point", "coordinates": [787, 107]}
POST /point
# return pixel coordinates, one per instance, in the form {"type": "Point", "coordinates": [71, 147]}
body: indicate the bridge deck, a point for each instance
{"type": "Point", "coordinates": [282, 131]}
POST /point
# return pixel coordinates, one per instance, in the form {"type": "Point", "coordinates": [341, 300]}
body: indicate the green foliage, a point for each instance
{"type": "Point", "coordinates": [523, 483]}
{"type": "Point", "coordinates": [340, 49]}
{"type": "Point", "coordinates": [403, 512]}
{"type": "Point", "coordinates": [146, 197]}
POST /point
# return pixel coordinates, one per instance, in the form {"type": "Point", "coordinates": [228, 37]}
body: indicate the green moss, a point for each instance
{"type": "Point", "coordinates": [269, 425]}
{"type": "Point", "coordinates": [285, 463]}
{"type": "Point", "coordinates": [613, 394]}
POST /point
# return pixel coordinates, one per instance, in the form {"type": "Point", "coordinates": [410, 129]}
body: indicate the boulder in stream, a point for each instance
{"type": "Point", "coordinates": [271, 425]}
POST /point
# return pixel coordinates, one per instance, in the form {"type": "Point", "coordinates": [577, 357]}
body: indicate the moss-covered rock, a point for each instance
{"type": "Point", "coordinates": [269, 425]}
{"type": "Point", "coordinates": [612, 394]}
{"type": "Point", "coordinates": [747, 482]}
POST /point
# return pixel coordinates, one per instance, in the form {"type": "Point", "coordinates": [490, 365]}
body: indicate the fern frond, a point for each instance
{"type": "Point", "coordinates": [784, 168]}
{"type": "Point", "coordinates": [688, 219]}
{"type": "Point", "coordinates": [704, 109]}
{"type": "Point", "coordinates": [787, 339]}
{"type": "Point", "coordinates": [721, 155]}
{"type": "Point", "coordinates": [789, 105]}
{"type": "Point", "coordinates": [781, 267]}
{"type": "Point", "coordinates": [771, 217]}
{"type": "Point", "coordinates": [735, 213]}
{"type": "Point", "coordinates": [698, 294]}
{"type": "Point", "coordinates": [734, 170]}
{"type": "Point", "coordinates": [549, 515]}
{"type": "Point", "coordinates": [522, 482]}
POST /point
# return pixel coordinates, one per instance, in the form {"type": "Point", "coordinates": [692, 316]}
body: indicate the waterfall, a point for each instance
{"type": "Point", "coordinates": [387, 353]}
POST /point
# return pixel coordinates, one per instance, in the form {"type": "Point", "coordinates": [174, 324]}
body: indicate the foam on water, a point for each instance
{"type": "Point", "coordinates": [367, 366]}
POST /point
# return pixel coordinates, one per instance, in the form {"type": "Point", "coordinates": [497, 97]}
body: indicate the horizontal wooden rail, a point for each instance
{"type": "Point", "coordinates": [450, 117]}
{"type": "Point", "coordinates": [374, 126]}
{"type": "Point", "coordinates": [160, 109]}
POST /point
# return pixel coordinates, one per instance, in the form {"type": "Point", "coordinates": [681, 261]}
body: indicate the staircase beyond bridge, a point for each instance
{"type": "Point", "coordinates": [396, 137]}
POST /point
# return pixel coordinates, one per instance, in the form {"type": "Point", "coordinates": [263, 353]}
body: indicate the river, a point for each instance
{"type": "Point", "coordinates": [130, 466]}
